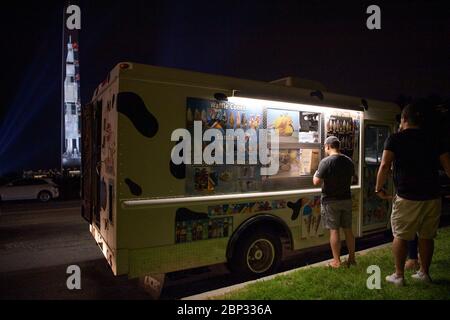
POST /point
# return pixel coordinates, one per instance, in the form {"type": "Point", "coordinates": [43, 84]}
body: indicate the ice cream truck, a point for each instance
{"type": "Point", "coordinates": [152, 215]}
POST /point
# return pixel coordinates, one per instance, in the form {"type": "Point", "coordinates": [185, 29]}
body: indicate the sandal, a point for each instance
{"type": "Point", "coordinates": [348, 263]}
{"type": "Point", "coordinates": [333, 265]}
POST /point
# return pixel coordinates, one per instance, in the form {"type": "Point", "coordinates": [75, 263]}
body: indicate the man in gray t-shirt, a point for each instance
{"type": "Point", "coordinates": [335, 173]}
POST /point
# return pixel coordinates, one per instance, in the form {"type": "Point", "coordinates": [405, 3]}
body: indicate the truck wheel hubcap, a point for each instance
{"type": "Point", "coordinates": [260, 256]}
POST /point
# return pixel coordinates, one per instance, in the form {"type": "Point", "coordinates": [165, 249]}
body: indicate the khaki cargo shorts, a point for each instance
{"type": "Point", "coordinates": [415, 217]}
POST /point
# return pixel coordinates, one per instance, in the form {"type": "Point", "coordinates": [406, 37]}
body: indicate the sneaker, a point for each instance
{"type": "Point", "coordinates": [396, 280]}
{"type": "Point", "coordinates": [419, 275]}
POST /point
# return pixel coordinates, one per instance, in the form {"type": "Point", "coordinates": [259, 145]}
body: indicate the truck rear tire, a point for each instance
{"type": "Point", "coordinates": [257, 253]}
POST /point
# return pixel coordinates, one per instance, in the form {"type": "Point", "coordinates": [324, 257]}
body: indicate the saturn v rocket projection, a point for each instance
{"type": "Point", "coordinates": [71, 106]}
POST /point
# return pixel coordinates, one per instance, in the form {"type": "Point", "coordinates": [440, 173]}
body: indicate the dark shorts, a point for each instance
{"type": "Point", "coordinates": [337, 214]}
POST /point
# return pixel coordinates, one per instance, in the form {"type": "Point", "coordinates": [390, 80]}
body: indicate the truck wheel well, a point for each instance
{"type": "Point", "coordinates": [267, 222]}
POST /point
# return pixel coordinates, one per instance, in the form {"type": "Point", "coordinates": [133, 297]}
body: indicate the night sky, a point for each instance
{"type": "Point", "coordinates": [261, 40]}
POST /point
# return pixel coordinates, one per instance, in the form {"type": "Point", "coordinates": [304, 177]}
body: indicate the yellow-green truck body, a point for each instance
{"type": "Point", "coordinates": [151, 216]}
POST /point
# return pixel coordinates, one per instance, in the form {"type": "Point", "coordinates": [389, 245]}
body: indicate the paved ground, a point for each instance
{"type": "Point", "coordinates": [39, 241]}
{"type": "Point", "coordinates": [36, 247]}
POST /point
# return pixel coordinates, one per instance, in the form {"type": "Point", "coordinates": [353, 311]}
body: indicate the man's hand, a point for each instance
{"type": "Point", "coordinates": [383, 195]}
{"type": "Point", "coordinates": [383, 171]}
{"type": "Point", "coordinates": [317, 181]}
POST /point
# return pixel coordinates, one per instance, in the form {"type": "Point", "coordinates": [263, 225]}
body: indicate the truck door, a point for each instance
{"type": "Point", "coordinates": [376, 212]}
{"type": "Point", "coordinates": [87, 118]}
{"type": "Point", "coordinates": [96, 159]}
{"type": "Point", "coordinates": [90, 161]}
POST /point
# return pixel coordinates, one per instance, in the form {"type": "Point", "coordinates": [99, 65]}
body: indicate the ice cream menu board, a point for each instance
{"type": "Point", "coordinates": [195, 230]}
{"type": "Point", "coordinates": [309, 161]}
{"type": "Point", "coordinates": [248, 207]}
{"type": "Point", "coordinates": [309, 127]}
{"type": "Point", "coordinates": [344, 129]}
{"type": "Point", "coordinates": [296, 162]}
{"type": "Point", "coordinates": [298, 150]}
{"type": "Point", "coordinates": [289, 160]}
{"type": "Point", "coordinates": [285, 123]}
{"type": "Point", "coordinates": [222, 178]}
{"type": "Point", "coordinates": [222, 115]}
{"type": "Point", "coordinates": [311, 222]}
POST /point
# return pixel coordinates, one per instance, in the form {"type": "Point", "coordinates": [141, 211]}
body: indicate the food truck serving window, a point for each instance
{"type": "Point", "coordinates": [301, 130]}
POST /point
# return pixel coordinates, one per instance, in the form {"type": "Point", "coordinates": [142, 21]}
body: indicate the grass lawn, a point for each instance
{"type": "Point", "coordinates": [321, 283]}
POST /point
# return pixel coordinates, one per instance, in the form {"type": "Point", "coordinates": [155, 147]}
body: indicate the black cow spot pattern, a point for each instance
{"type": "Point", "coordinates": [184, 214]}
{"type": "Point", "coordinates": [135, 189]}
{"type": "Point", "coordinates": [177, 170]}
{"type": "Point", "coordinates": [365, 104]}
{"type": "Point", "coordinates": [317, 94]}
{"type": "Point", "coordinates": [133, 107]}
{"type": "Point", "coordinates": [295, 208]}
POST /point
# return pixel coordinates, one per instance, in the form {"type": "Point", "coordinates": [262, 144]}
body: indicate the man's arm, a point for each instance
{"type": "Point", "coordinates": [445, 162]}
{"type": "Point", "coordinates": [317, 181]}
{"type": "Point", "coordinates": [383, 171]}
{"type": "Point", "coordinates": [320, 173]}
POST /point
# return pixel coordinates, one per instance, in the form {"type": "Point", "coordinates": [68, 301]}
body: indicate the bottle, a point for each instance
{"type": "Point", "coordinates": [238, 120]}
{"type": "Point", "coordinates": [190, 117]}
{"type": "Point", "coordinates": [243, 121]}
{"type": "Point", "coordinates": [197, 115]}
{"type": "Point", "coordinates": [231, 120]}
{"type": "Point", "coordinates": [204, 117]}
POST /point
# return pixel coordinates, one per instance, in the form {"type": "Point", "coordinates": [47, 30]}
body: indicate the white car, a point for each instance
{"type": "Point", "coordinates": [27, 189]}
